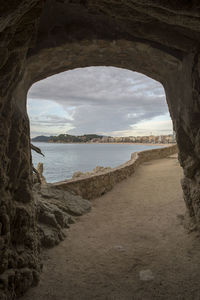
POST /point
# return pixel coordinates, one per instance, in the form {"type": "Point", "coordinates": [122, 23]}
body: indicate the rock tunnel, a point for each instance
{"type": "Point", "coordinates": [40, 38]}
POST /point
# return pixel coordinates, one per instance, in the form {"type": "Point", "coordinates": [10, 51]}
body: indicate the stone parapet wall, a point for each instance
{"type": "Point", "coordinates": [93, 186]}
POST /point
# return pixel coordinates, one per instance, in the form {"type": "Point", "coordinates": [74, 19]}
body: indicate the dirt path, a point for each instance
{"type": "Point", "coordinates": [133, 233]}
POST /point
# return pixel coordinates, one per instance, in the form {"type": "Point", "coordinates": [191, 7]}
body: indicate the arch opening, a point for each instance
{"type": "Point", "coordinates": [117, 235]}
{"type": "Point", "coordinates": [105, 101]}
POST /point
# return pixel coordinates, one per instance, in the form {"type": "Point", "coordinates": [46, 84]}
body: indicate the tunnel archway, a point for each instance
{"type": "Point", "coordinates": [106, 101]}
{"type": "Point", "coordinates": [156, 38]}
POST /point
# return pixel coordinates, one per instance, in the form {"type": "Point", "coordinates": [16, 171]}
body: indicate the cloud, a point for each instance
{"type": "Point", "coordinates": [154, 126]}
{"type": "Point", "coordinates": [51, 120]}
{"type": "Point", "coordinates": [97, 100]}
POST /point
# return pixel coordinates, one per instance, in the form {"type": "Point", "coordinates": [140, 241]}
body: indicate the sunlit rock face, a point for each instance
{"type": "Point", "coordinates": [40, 38]}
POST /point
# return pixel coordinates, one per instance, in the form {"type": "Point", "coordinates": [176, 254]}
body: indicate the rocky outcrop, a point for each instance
{"type": "Point", "coordinates": [40, 169]}
{"type": "Point", "coordinates": [55, 210]}
{"type": "Point", "coordinates": [40, 38]}
{"type": "Point", "coordinates": [98, 169]}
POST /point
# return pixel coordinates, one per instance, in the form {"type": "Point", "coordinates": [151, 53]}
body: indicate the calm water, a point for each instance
{"type": "Point", "coordinates": [62, 160]}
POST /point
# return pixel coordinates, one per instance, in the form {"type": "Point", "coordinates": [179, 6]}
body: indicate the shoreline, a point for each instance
{"type": "Point", "coordinates": [137, 144]}
{"type": "Point", "coordinates": [105, 179]}
{"type": "Point", "coordinates": [105, 167]}
{"type": "Point", "coordinates": [121, 143]}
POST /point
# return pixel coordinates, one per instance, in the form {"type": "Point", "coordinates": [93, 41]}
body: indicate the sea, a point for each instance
{"type": "Point", "coordinates": [61, 161]}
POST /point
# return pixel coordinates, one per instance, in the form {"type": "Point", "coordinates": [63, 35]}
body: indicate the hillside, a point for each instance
{"type": "Point", "coordinates": [67, 138]}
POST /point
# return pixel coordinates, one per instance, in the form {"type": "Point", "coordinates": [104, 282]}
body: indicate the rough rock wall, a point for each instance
{"type": "Point", "coordinates": [183, 93]}
{"type": "Point", "coordinates": [55, 210]}
{"type": "Point", "coordinates": [18, 244]}
{"type": "Point", "coordinates": [156, 37]}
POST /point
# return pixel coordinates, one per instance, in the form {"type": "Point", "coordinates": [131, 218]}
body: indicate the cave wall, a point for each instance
{"type": "Point", "coordinates": [183, 93]}
{"type": "Point", "coordinates": [41, 38]}
{"type": "Point", "coordinates": [19, 261]}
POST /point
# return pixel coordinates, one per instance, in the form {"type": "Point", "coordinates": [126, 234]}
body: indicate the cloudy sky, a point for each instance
{"type": "Point", "coordinates": [102, 100]}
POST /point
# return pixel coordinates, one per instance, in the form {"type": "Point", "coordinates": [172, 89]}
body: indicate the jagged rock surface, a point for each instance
{"type": "Point", "coordinates": [54, 212]}
{"type": "Point", "coordinates": [40, 38]}
{"type": "Point", "coordinates": [96, 170]}
{"type": "Point", "coordinates": [19, 259]}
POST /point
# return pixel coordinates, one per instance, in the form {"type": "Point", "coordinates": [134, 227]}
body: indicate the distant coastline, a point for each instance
{"type": "Point", "coordinates": [119, 143]}
{"type": "Point", "coordinates": [99, 139]}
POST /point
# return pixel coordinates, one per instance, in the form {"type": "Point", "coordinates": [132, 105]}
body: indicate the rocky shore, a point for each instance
{"type": "Point", "coordinates": [96, 170]}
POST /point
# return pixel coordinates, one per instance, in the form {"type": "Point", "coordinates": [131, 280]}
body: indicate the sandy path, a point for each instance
{"type": "Point", "coordinates": [135, 227]}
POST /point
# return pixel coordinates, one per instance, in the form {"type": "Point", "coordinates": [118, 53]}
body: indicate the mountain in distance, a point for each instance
{"type": "Point", "coordinates": [66, 138]}
{"type": "Point", "coordinates": [41, 138]}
